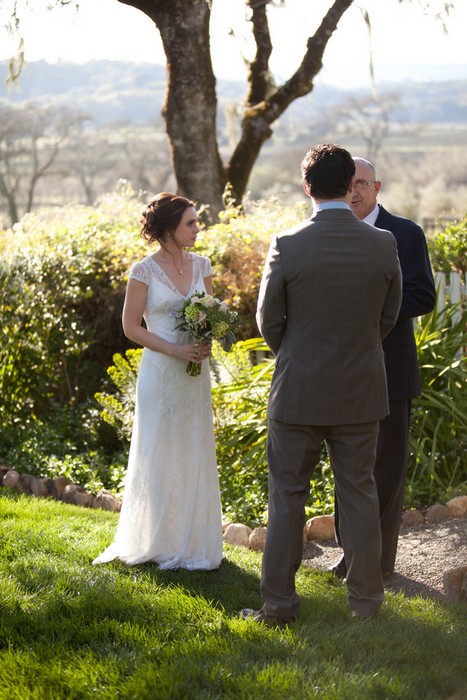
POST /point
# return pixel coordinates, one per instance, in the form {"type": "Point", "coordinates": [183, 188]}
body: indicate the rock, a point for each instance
{"type": "Point", "coordinates": [57, 486]}
{"type": "Point", "coordinates": [82, 498]}
{"type": "Point", "coordinates": [107, 501]}
{"type": "Point", "coordinates": [237, 534]}
{"type": "Point", "coordinates": [257, 539]}
{"type": "Point", "coordinates": [10, 480]}
{"type": "Point", "coordinates": [3, 471]}
{"type": "Point", "coordinates": [24, 483]}
{"type": "Point", "coordinates": [457, 506]}
{"type": "Point", "coordinates": [321, 528]}
{"type": "Point", "coordinates": [39, 487]}
{"type": "Point", "coordinates": [455, 583]}
{"type": "Point", "coordinates": [69, 493]}
{"type": "Point", "coordinates": [412, 517]}
{"type": "Point", "coordinates": [437, 512]}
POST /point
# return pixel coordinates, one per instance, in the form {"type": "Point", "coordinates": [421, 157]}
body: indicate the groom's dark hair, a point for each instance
{"type": "Point", "coordinates": [327, 171]}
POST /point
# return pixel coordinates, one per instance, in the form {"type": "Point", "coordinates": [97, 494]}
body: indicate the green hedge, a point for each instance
{"type": "Point", "coordinates": [62, 283]}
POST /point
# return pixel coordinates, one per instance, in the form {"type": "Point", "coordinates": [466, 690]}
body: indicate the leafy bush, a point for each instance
{"type": "Point", "coordinates": [61, 295]}
{"type": "Point", "coordinates": [62, 279]}
{"type": "Point", "coordinates": [118, 407]}
{"type": "Point", "coordinates": [448, 250]}
{"type": "Point", "coordinates": [74, 442]}
{"type": "Point", "coordinates": [438, 435]}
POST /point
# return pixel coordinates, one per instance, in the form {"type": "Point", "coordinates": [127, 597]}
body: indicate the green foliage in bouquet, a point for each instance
{"type": "Point", "coordinates": [207, 318]}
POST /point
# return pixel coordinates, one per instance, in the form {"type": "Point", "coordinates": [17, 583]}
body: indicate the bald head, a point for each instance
{"type": "Point", "coordinates": [367, 165]}
{"type": "Point", "coordinates": [365, 188]}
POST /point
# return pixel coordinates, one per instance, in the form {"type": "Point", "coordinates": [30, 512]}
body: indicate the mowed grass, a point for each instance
{"type": "Point", "coordinates": [72, 630]}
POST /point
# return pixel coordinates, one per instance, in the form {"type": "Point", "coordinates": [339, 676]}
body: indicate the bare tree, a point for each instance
{"type": "Point", "coordinates": [368, 119]}
{"type": "Point", "coordinates": [191, 100]}
{"type": "Point", "coordinates": [91, 157]}
{"type": "Point", "coordinates": [30, 141]}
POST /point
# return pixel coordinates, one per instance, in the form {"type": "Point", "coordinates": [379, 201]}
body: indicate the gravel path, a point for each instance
{"type": "Point", "coordinates": [423, 555]}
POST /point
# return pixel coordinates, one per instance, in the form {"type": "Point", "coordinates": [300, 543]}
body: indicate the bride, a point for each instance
{"type": "Point", "coordinates": [171, 512]}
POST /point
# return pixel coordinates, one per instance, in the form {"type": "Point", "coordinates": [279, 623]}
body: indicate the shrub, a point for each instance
{"type": "Point", "coordinates": [62, 279]}
{"type": "Point", "coordinates": [61, 294]}
{"type": "Point", "coordinates": [448, 250]}
{"type": "Point", "coordinates": [74, 442]}
{"type": "Point", "coordinates": [438, 436]}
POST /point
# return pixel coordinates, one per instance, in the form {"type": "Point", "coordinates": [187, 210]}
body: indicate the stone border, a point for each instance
{"type": "Point", "coordinates": [60, 488]}
{"type": "Point", "coordinates": [319, 528]}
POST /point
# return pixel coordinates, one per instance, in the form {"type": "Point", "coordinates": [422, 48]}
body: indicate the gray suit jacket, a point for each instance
{"type": "Point", "coordinates": [331, 290]}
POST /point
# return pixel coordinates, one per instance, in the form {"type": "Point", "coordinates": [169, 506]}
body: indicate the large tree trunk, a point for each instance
{"type": "Point", "coordinates": [191, 103]}
{"type": "Point", "coordinates": [190, 107]}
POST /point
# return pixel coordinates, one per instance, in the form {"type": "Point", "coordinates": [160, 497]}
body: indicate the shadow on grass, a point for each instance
{"type": "Point", "coordinates": [230, 587]}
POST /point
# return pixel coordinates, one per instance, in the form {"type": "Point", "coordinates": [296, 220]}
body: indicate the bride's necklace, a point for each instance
{"type": "Point", "coordinates": [179, 269]}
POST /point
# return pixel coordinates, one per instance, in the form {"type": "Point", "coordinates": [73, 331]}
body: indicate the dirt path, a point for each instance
{"type": "Point", "coordinates": [423, 555]}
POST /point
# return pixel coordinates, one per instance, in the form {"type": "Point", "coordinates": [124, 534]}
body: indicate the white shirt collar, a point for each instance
{"type": "Point", "coordinates": [322, 206]}
{"type": "Point", "coordinates": [372, 216]}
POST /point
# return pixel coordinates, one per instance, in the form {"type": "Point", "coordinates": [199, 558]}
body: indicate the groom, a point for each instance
{"type": "Point", "coordinates": [330, 292]}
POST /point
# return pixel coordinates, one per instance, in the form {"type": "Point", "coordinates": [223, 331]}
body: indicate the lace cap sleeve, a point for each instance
{"type": "Point", "coordinates": [206, 266]}
{"type": "Point", "coordinates": [139, 271]}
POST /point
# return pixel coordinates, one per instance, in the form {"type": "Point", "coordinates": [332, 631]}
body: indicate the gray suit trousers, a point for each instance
{"type": "Point", "coordinates": [293, 452]}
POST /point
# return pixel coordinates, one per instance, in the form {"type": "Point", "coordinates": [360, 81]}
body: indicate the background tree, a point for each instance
{"type": "Point", "coordinates": [30, 141]}
{"type": "Point", "coordinates": [368, 118]}
{"type": "Point", "coordinates": [191, 101]}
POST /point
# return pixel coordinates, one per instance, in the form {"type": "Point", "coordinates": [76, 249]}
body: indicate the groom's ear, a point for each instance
{"type": "Point", "coordinates": [306, 187]}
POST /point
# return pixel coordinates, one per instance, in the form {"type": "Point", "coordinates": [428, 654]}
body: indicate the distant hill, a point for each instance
{"type": "Point", "coordinates": [115, 91]}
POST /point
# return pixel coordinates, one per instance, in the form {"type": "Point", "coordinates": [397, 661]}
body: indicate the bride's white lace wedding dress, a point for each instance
{"type": "Point", "coordinates": [171, 512]}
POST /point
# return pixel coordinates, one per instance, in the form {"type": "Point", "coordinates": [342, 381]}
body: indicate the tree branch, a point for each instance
{"type": "Point", "coordinates": [260, 80]}
{"type": "Point", "coordinates": [258, 117]}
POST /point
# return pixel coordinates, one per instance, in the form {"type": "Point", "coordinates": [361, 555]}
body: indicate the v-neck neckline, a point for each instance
{"type": "Point", "coordinates": [171, 284]}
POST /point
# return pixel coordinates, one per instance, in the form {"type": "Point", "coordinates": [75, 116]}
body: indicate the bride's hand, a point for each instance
{"type": "Point", "coordinates": [196, 352]}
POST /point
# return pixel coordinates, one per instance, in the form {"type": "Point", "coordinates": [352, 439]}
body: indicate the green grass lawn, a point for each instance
{"type": "Point", "coordinates": [72, 630]}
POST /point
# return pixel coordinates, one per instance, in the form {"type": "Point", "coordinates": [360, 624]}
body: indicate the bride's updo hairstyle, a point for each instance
{"type": "Point", "coordinates": [162, 215]}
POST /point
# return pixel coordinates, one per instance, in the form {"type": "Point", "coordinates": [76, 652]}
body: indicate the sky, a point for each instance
{"type": "Point", "coordinates": [107, 29]}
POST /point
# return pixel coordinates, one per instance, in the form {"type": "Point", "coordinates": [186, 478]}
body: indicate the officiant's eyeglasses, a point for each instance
{"type": "Point", "coordinates": [361, 184]}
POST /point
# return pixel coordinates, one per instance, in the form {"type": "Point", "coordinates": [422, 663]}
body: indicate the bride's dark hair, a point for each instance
{"type": "Point", "coordinates": [162, 215]}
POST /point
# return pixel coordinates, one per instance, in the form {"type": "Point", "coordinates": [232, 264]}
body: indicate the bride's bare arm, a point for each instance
{"type": "Point", "coordinates": [133, 309]}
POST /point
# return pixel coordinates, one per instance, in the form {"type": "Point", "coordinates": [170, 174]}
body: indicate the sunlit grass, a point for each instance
{"type": "Point", "coordinates": [72, 630]}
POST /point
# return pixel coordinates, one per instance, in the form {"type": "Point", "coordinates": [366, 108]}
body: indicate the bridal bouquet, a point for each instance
{"type": "Point", "coordinates": [205, 317]}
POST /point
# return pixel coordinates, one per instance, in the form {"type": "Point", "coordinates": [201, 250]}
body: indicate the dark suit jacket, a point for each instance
{"type": "Point", "coordinates": [418, 298]}
{"type": "Point", "coordinates": [331, 290]}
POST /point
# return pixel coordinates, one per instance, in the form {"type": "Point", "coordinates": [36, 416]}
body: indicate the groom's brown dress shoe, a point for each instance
{"type": "Point", "coordinates": [339, 569]}
{"type": "Point", "coordinates": [261, 616]}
